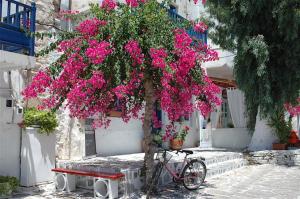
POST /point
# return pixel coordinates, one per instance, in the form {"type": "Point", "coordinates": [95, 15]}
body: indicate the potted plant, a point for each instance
{"type": "Point", "coordinates": [178, 138]}
{"type": "Point", "coordinates": [44, 120]}
{"type": "Point", "coordinates": [7, 186]}
{"type": "Point", "coordinates": [115, 113]}
{"type": "Point", "coordinates": [38, 143]}
{"type": "Point", "coordinates": [282, 129]}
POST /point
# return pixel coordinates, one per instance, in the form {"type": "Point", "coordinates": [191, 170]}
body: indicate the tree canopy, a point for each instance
{"type": "Point", "coordinates": [128, 56]}
{"type": "Point", "coordinates": [265, 36]}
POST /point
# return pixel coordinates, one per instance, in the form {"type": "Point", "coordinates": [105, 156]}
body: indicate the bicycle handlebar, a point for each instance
{"type": "Point", "coordinates": [177, 151]}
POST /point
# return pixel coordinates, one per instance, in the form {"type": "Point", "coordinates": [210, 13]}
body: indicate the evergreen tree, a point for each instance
{"type": "Point", "coordinates": [264, 35]}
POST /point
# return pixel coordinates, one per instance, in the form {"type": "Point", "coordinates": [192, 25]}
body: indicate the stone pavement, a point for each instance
{"type": "Point", "coordinates": [257, 181]}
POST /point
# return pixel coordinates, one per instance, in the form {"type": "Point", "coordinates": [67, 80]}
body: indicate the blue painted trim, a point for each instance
{"type": "Point", "coordinates": [16, 30]}
{"type": "Point", "coordinates": [32, 28]}
{"type": "Point", "coordinates": [180, 19]}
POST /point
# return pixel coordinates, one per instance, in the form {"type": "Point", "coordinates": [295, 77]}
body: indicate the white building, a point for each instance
{"type": "Point", "coordinates": [16, 59]}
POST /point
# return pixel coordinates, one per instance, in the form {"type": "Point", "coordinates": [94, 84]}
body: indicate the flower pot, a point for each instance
{"type": "Point", "coordinates": [115, 114]}
{"type": "Point", "coordinates": [36, 126]}
{"type": "Point", "coordinates": [176, 144]}
{"type": "Point", "coordinates": [279, 146]}
{"type": "Point", "coordinates": [5, 190]}
{"type": "Point", "coordinates": [37, 157]}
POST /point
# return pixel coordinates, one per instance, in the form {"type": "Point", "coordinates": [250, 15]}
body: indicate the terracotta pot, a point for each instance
{"type": "Point", "coordinates": [279, 146]}
{"type": "Point", "coordinates": [293, 139]}
{"type": "Point", "coordinates": [176, 144]}
{"type": "Point", "coordinates": [115, 114]}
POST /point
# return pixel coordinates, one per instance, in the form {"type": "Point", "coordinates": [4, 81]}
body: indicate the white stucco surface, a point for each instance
{"type": "Point", "coordinates": [232, 138]}
{"type": "Point", "coordinates": [263, 136]}
{"type": "Point", "coordinates": [70, 140]}
{"type": "Point", "coordinates": [37, 157]}
{"type": "Point", "coordinates": [119, 138]}
{"type": "Point", "coordinates": [9, 150]}
{"type": "Point", "coordinates": [13, 61]}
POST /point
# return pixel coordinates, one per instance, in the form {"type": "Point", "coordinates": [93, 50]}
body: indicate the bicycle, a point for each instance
{"type": "Point", "coordinates": [192, 172]}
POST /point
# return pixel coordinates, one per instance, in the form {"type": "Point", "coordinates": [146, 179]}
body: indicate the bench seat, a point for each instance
{"type": "Point", "coordinates": [113, 176]}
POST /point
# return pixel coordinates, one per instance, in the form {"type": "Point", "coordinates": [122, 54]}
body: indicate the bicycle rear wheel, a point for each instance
{"type": "Point", "coordinates": [194, 174]}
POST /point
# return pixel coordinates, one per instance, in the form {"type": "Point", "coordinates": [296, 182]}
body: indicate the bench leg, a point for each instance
{"type": "Point", "coordinates": [105, 188]}
{"type": "Point", "coordinates": [65, 182]}
{"type": "Point", "coordinates": [113, 188]}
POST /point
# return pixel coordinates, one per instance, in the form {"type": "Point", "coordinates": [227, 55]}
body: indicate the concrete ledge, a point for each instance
{"type": "Point", "coordinates": [15, 61]}
{"type": "Point", "coordinates": [284, 157]}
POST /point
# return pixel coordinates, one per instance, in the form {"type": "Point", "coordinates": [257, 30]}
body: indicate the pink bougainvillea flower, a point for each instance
{"type": "Point", "coordinates": [108, 5]}
{"type": "Point", "coordinates": [98, 51]}
{"type": "Point", "coordinates": [293, 110]}
{"type": "Point", "coordinates": [39, 84]}
{"type": "Point", "coordinates": [132, 3]}
{"type": "Point", "coordinates": [90, 26]}
{"type": "Point", "coordinates": [135, 52]}
{"type": "Point", "coordinates": [158, 57]}
{"type": "Point", "coordinates": [200, 27]}
{"type": "Point", "coordinates": [203, 1]}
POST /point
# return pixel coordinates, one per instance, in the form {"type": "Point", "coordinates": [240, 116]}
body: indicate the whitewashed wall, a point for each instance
{"type": "Point", "coordinates": [192, 139]}
{"type": "Point", "coordinates": [10, 132]}
{"type": "Point", "coordinates": [263, 136]}
{"type": "Point", "coordinates": [10, 150]}
{"type": "Point", "coordinates": [119, 138]}
{"type": "Point", "coordinates": [231, 138]}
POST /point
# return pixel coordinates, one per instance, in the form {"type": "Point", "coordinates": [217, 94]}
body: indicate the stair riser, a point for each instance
{"type": "Point", "coordinates": [218, 169]}
{"type": "Point", "coordinates": [216, 160]}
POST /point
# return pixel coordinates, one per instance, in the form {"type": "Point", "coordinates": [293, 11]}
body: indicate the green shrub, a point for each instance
{"type": "Point", "coordinates": [46, 120]}
{"type": "Point", "coordinates": [7, 185]}
{"type": "Point", "coordinates": [281, 126]}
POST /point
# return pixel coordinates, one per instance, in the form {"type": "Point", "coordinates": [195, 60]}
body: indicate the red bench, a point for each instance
{"type": "Point", "coordinates": [105, 184]}
{"type": "Point", "coordinates": [113, 176]}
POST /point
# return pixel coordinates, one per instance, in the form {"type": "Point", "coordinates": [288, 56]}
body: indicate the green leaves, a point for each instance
{"type": "Point", "coordinates": [46, 120]}
{"type": "Point", "coordinates": [265, 36]}
{"type": "Point", "coordinates": [13, 183]}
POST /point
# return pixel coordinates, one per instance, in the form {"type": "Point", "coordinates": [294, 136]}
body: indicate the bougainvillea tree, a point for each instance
{"type": "Point", "coordinates": [132, 54]}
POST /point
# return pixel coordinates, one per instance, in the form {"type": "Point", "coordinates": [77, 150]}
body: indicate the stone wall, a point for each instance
{"type": "Point", "coordinates": [69, 135]}
{"type": "Point", "coordinates": [284, 157]}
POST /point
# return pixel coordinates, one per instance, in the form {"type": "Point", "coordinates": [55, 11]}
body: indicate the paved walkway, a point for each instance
{"type": "Point", "coordinates": [259, 181]}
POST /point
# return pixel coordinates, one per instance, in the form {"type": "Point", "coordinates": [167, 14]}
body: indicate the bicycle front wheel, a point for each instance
{"type": "Point", "coordinates": [194, 174]}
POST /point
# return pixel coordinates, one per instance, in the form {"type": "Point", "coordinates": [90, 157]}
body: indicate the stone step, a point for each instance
{"type": "Point", "coordinates": [222, 167]}
{"type": "Point", "coordinates": [220, 159]}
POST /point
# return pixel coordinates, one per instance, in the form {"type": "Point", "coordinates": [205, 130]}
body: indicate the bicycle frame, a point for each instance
{"type": "Point", "coordinates": [174, 173]}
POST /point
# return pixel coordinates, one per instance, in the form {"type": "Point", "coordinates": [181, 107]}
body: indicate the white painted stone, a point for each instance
{"type": "Point", "coordinates": [15, 61]}
{"type": "Point", "coordinates": [119, 138]}
{"type": "Point", "coordinates": [70, 140]}
{"type": "Point", "coordinates": [232, 138]}
{"type": "Point", "coordinates": [263, 136]}
{"type": "Point", "coordinates": [10, 150]}
{"type": "Point", "coordinates": [37, 157]}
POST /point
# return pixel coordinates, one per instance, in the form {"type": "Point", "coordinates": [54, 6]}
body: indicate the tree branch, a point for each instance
{"type": "Point", "coordinates": [50, 25]}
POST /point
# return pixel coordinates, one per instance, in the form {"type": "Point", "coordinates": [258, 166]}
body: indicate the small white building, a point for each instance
{"type": "Point", "coordinates": [16, 60]}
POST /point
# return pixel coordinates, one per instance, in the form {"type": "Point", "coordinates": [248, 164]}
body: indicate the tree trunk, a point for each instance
{"type": "Point", "coordinates": [263, 136]}
{"type": "Point", "coordinates": [149, 146]}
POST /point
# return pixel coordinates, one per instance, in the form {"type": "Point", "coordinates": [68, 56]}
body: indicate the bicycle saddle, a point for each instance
{"type": "Point", "coordinates": [187, 151]}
